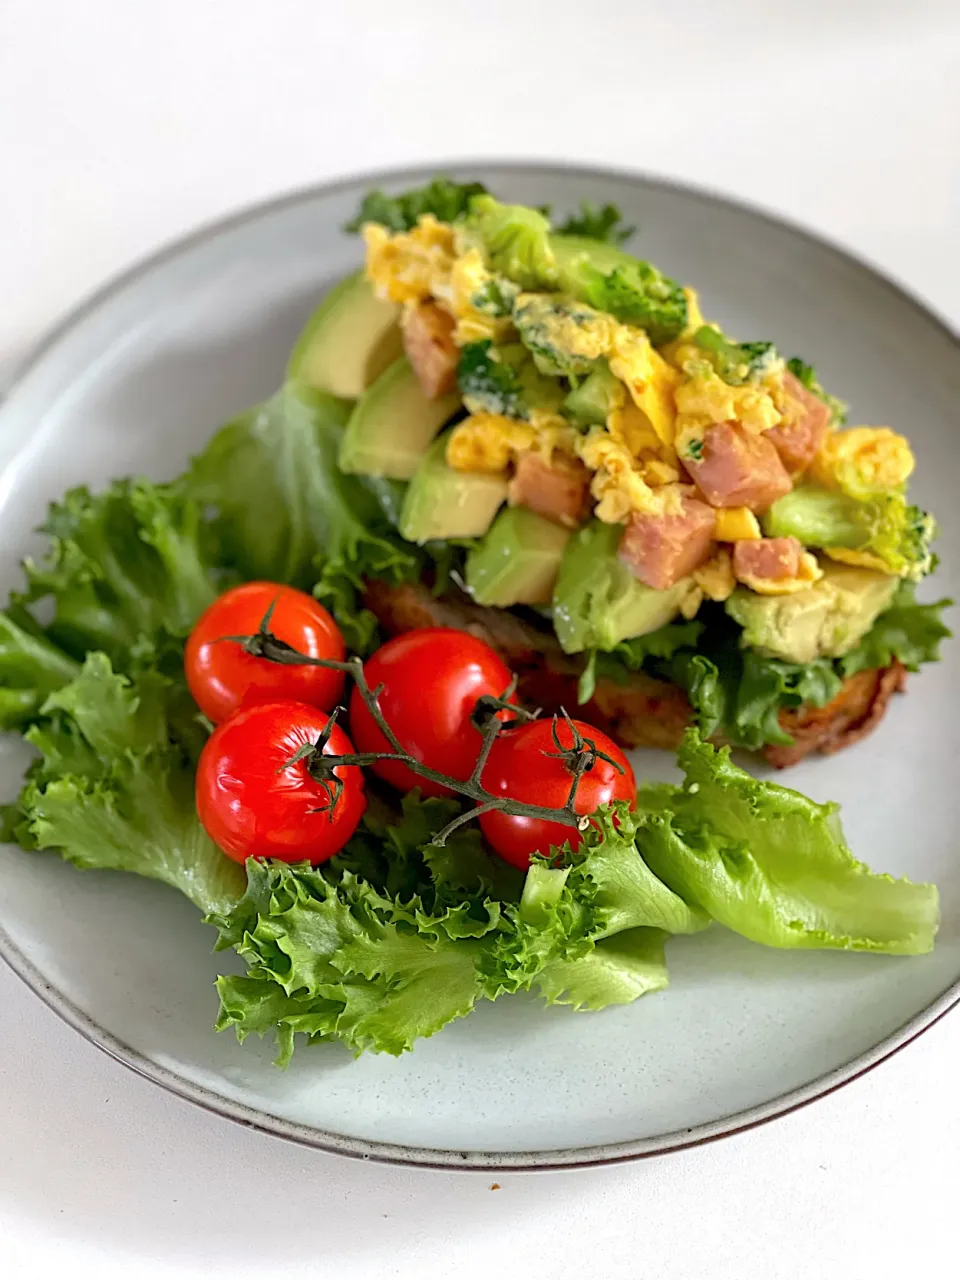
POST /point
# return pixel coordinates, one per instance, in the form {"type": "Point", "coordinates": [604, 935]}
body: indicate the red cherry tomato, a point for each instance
{"type": "Point", "coordinates": [222, 677]}
{"type": "Point", "coordinates": [431, 678]}
{"type": "Point", "coordinates": [253, 805]}
{"type": "Point", "coordinates": [519, 768]}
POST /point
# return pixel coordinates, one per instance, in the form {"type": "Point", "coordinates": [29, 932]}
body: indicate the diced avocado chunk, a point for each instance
{"type": "Point", "coordinates": [518, 560]}
{"type": "Point", "coordinates": [392, 425]}
{"type": "Point", "coordinates": [348, 341]}
{"type": "Point", "coordinates": [592, 402]}
{"type": "Point", "coordinates": [597, 601]}
{"type": "Point", "coordinates": [443, 503]}
{"type": "Point", "coordinates": [826, 621]}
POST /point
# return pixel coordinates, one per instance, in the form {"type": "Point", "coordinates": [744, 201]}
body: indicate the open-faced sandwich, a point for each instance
{"type": "Point", "coordinates": [647, 517]}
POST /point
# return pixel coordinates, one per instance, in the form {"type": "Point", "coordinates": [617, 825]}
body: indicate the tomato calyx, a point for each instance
{"type": "Point", "coordinates": [491, 716]}
{"type": "Point", "coordinates": [580, 757]}
{"type": "Point", "coordinates": [488, 707]}
{"type": "Point", "coordinates": [264, 644]}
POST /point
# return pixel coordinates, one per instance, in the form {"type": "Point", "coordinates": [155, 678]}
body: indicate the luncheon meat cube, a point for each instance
{"type": "Point", "coordinates": [662, 549]}
{"type": "Point", "coordinates": [737, 468]}
{"type": "Point", "coordinates": [800, 434]}
{"type": "Point", "coordinates": [428, 342]}
{"type": "Point", "coordinates": [769, 559]}
{"type": "Point", "coordinates": [558, 490]}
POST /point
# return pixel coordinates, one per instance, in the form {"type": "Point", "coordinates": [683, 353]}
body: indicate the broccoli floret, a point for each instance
{"type": "Point", "coordinates": [448, 202]}
{"type": "Point", "coordinates": [629, 289]}
{"type": "Point", "coordinates": [736, 362]}
{"type": "Point", "coordinates": [885, 526]}
{"type": "Point", "coordinates": [516, 241]}
{"type": "Point", "coordinates": [594, 222]}
{"type": "Point", "coordinates": [805, 374]}
{"type": "Point", "coordinates": [504, 380]}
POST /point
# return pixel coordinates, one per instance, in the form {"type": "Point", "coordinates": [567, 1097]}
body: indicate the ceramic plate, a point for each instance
{"type": "Point", "coordinates": [138, 379]}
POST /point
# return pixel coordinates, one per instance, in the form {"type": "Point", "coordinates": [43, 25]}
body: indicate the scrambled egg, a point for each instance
{"type": "Point", "coordinates": [649, 379]}
{"type": "Point", "coordinates": [808, 573]}
{"type": "Point", "coordinates": [863, 460]}
{"type": "Point", "coordinates": [410, 266]}
{"type": "Point", "coordinates": [623, 483]}
{"type": "Point", "coordinates": [860, 559]}
{"type": "Point", "coordinates": [715, 578]}
{"type": "Point", "coordinates": [489, 442]}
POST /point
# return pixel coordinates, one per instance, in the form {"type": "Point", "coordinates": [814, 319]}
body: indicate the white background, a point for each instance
{"type": "Point", "coordinates": [124, 124]}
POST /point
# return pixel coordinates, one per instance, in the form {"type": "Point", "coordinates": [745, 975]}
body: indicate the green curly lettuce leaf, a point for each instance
{"type": "Point", "coordinates": [448, 201]}
{"type": "Point", "coordinates": [283, 507]}
{"type": "Point", "coordinates": [596, 222]}
{"type": "Point", "coordinates": [397, 936]}
{"type": "Point", "coordinates": [773, 865]}
{"type": "Point", "coordinates": [112, 788]}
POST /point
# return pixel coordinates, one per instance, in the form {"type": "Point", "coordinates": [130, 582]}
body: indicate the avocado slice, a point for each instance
{"type": "Point", "coordinates": [518, 560]}
{"type": "Point", "coordinates": [443, 503]}
{"type": "Point", "coordinates": [348, 341]}
{"type": "Point", "coordinates": [826, 621]}
{"type": "Point", "coordinates": [597, 601]}
{"type": "Point", "coordinates": [594, 400]}
{"type": "Point", "coordinates": [392, 425]}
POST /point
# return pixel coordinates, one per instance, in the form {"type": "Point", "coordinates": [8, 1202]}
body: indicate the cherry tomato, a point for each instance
{"type": "Point", "coordinates": [222, 677]}
{"type": "Point", "coordinates": [253, 805]}
{"type": "Point", "coordinates": [431, 678]}
{"type": "Point", "coordinates": [519, 768]}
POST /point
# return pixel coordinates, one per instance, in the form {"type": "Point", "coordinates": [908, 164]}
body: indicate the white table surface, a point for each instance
{"type": "Point", "coordinates": [123, 125]}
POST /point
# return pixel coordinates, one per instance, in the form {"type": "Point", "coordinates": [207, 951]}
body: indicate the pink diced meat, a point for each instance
{"type": "Point", "coordinates": [737, 468]}
{"type": "Point", "coordinates": [662, 549]}
{"type": "Point", "coordinates": [428, 342]}
{"type": "Point", "coordinates": [558, 490]}
{"type": "Point", "coordinates": [771, 559]}
{"type": "Point", "coordinates": [805, 422]}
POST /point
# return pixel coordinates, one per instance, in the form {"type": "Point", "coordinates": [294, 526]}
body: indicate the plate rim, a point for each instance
{"type": "Point", "coordinates": [403, 1154]}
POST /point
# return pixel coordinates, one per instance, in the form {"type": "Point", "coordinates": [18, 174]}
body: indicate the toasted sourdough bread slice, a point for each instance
{"type": "Point", "coordinates": [642, 711]}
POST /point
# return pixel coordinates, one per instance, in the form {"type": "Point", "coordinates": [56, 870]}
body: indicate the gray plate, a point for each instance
{"type": "Point", "coordinates": [137, 379]}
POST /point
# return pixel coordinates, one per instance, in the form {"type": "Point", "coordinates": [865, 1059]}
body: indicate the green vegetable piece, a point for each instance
{"type": "Point", "coordinates": [128, 571]}
{"type": "Point", "coordinates": [618, 970]}
{"type": "Point", "coordinates": [517, 561]}
{"type": "Point", "coordinates": [598, 602]}
{"type": "Point", "coordinates": [447, 200]}
{"type": "Point", "coordinates": [392, 425]}
{"type": "Point", "coordinates": [444, 503]}
{"type": "Point", "coordinates": [908, 632]}
{"type": "Point", "coordinates": [592, 401]}
{"type": "Point", "coordinates": [825, 621]}
{"type": "Point", "coordinates": [773, 866]}
{"type": "Point", "coordinates": [516, 241]}
{"type": "Point", "coordinates": [736, 362]}
{"type": "Point", "coordinates": [348, 342]}
{"type": "Point", "coordinates": [805, 374]}
{"type": "Point", "coordinates": [31, 668]}
{"type": "Point", "coordinates": [504, 380]}
{"type": "Point", "coordinates": [886, 526]}
{"type": "Point", "coordinates": [613, 281]}
{"type": "Point", "coordinates": [111, 791]}
{"type": "Point", "coordinates": [596, 222]}
{"type": "Point", "coordinates": [281, 499]}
